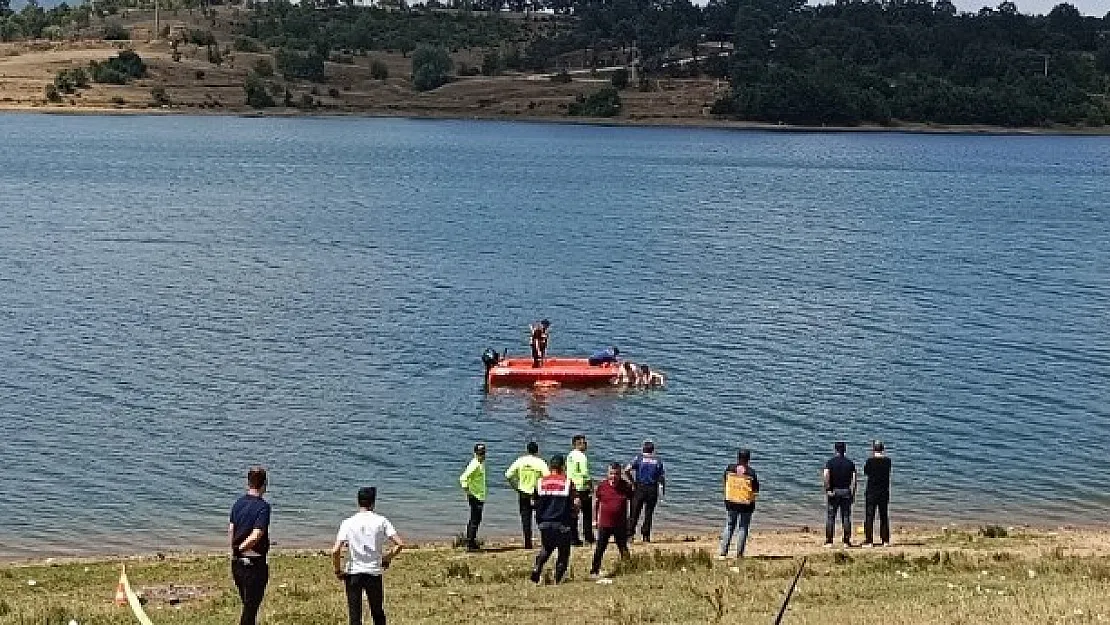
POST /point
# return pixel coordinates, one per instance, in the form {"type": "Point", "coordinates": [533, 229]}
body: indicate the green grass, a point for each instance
{"type": "Point", "coordinates": [659, 584]}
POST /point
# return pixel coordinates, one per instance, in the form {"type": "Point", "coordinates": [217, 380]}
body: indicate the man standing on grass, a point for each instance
{"type": "Point", "coordinates": [364, 536]}
{"type": "Point", "coordinates": [578, 469]}
{"type": "Point", "coordinates": [556, 508]}
{"type": "Point", "coordinates": [840, 492]}
{"type": "Point", "coordinates": [249, 534]}
{"type": "Point", "coordinates": [877, 495]}
{"type": "Point", "coordinates": [611, 516]}
{"type": "Point", "coordinates": [523, 475]}
{"type": "Point", "coordinates": [741, 489]}
{"type": "Point", "coordinates": [473, 482]}
{"type": "Point", "coordinates": [646, 472]}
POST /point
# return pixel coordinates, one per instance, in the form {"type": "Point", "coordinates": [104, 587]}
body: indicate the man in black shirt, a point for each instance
{"type": "Point", "coordinates": [840, 490]}
{"type": "Point", "coordinates": [249, 534]}
{"type": "Point", "coordinates": [539, 343]}
{"type": "Point", "coordinates": [877, 495]}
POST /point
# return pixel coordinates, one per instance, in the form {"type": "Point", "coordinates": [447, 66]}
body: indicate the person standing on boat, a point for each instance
{"type": "Point", "coordinates": [539, 342]}
{"type": "Point", "coordinates": [473, 482]}
{"type": "Point", "coordinates": [249, 533]}
{"type": "Point", "coordinates": [607, 356]}
{"type": "Point", "coordinates": [523, 475]}
{"type": "Point", "coordinates": [647, 473]}
{"type": "Point", "coordinates": [556, 507]}
{"type": "Point", "coordinates": [578, 469]}
{"type": "Point", "coordinates": [877, 495]}
{"type": "Point", "coordinates": [840, 491]}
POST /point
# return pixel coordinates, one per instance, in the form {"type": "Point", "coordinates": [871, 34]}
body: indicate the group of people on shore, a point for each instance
{"type": "Point", "coordinates": [568, 510]}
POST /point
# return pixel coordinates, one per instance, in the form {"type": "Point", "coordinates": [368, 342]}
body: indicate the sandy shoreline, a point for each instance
{"type": "Point", "coordinates": [636, 122]}
{"type": "Point", "coordinates": [771, 541]}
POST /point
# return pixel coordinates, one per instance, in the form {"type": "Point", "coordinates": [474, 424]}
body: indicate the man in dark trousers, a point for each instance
{"type": "Point", "coordinates": [611, 516]}
{"type": "Point", "coordinates": [647, 474]}
{"type": "Point", "coordinates": [365, 536]}
{"type": "Point", "coordinates": [523, 475]}
{"type": "Point", "coordinates": [556, 510]}
{"type": "Point", "coordinates": [473, 482]}
{"type": "Point", "coordinates": [877, 495]}
{"type": "Point", "coordinates": [249, 534]}
{"type": "Point", "coordinates": [539, 343]}
{"type": "Point", "coordinates": [840, 492]}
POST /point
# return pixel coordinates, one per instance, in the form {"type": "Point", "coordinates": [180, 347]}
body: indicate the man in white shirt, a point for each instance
{"type": "Point", "coordinates": [364, 535]}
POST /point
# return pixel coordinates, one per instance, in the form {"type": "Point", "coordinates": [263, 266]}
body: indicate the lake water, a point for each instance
{"type": "Point", "coordinates": [183, 297]}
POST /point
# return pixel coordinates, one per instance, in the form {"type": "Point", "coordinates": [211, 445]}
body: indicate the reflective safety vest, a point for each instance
{"type": "Point", "coordinates": [738, 488]}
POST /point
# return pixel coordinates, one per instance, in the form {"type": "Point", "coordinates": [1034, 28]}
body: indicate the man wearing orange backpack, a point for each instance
{"type": "Point", "coordinates": [741, 489]}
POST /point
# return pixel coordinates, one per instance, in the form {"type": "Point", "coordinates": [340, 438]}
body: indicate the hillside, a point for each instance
{"type": "Point", "coordinates": [915, 64]}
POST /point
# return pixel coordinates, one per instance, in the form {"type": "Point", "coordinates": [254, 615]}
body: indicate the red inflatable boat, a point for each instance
{"type": "Point", "coordinates": [574, 372]}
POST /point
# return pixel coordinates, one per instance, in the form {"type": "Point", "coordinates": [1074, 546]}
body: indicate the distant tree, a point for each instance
{"type": "Point", "coordinates": [257, 95]}
{"type": "Point", "coordinates": [620, 79]}
{"type": "Point", "coordinates": [52, 94]}
{"type": "Point", "coordinates": [379, 70]}
{"type": "Point", "coordinates": [263, 67]}
{"type": "Point", "coordinates": [491, 63]}
{"type": "Point", "coordinates": [114, 31]}
{"type": "Point", "coordinates": [158, 96]}
{"type": "Point", "coordinates": [431, 68]}
{"type": "Point", "coordinates": [603, 103]}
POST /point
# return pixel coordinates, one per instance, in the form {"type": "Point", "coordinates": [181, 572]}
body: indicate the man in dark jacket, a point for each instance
{"type": "Point", "coordinates": [741, 488]}
{"type": "Point", "coordinates": [840, 491]}
{"type": "Point", "coordinates": [877, 495]}
{"type": "Point", "coordinates": [556, 510]}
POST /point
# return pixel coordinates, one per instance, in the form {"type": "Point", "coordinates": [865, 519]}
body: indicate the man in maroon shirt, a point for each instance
{"type": "Point", "coordinates": [611, 516]}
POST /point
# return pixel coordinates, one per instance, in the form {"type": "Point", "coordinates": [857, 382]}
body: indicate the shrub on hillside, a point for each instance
{"type": "Point", "coordinates": [201, 37]}
{"type": "Point", "coordinates": [243, 43]}
{"type": "Point", "coordinates": [431, 68]}
{"type": "Point", "coordinates": [118, 69]}
{"type": "Point", "coordinates": [257, 95]}
{"type": "Point", "coordinates": [378, 70]}
{"type": "Point", "coordinates": [293, 64]}
{"type": "Point", "coordinates": [51, 93]}
{"type": "Point", "coordinates": [263, 67]}
{"type": "Point", "coordinates": [158, 96]}
{"type": "Point", "coordinates": [620, 79]}
{"type": "Point", "coordinates": [603, 103]}
{"type": "Point", "coordinates": [491, 63]}
{"type": "Point", "coordinates": [114, 31]}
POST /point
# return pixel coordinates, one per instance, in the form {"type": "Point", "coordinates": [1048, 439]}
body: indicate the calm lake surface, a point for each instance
{"type": "Point", "coordinates": [183, 297]}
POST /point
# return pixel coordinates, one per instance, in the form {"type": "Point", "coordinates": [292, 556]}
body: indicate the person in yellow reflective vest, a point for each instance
{"type": "Point", "coordinates": [523, 475]}
{"type": "Point", "coordinates": [473, 482]}
{"type": "Point", "coordinates": [578, 470]}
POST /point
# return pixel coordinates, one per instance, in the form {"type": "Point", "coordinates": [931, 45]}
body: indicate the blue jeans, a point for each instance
{"type": "Point", "coordinates": [738, 522]}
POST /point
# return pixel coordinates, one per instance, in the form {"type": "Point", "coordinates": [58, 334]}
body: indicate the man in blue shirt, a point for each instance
{"type": "Point", "coordinates": [647, 474]}
{"type": "Point", "coordinates": [249, 534]}
{"type": "Point", "coordinates": [606, 356]}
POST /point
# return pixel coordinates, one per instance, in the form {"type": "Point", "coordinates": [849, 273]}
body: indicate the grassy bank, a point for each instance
{"type": "Point", "coordinates": [930, 577]}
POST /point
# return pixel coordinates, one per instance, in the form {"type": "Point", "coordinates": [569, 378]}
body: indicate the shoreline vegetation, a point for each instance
{"type": "Point", "coordinates": [914, 67]}
{"type": "Point", "coordinates": [988, 574]}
